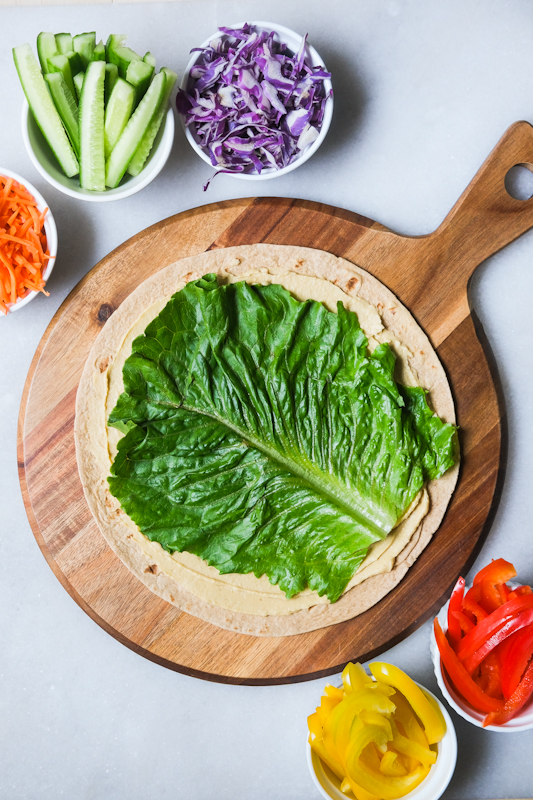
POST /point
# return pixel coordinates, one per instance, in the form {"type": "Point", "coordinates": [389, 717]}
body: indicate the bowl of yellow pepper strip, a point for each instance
{"type": "Point", "coordinates": [380, 736]}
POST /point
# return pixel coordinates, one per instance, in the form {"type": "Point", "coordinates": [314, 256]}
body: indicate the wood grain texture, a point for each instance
{"type": "Point", "coordinates": [430, 276]}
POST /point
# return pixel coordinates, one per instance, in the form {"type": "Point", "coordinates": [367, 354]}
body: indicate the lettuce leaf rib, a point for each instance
{"type": "Point", "coordinates": [262, 436]}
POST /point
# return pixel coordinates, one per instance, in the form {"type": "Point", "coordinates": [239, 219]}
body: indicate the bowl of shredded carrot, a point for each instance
{"type": "Point", "coordinates": [28, 242]}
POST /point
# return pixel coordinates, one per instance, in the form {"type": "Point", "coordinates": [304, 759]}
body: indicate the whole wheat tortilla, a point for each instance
{"type": "Point", "coordinates": [91, 435]}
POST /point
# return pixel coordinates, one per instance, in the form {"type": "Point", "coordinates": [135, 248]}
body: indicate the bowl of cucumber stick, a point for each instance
{"type": "Point", "coordinates": [96, 121]}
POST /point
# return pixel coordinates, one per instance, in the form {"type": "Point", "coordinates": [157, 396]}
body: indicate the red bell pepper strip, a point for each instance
{"type": "Point", "coordinates": [516, 659]}
{"type": "Point", "coordinates": [471, 603]}
{"type": "Point", "coordinates": [464, 623]}
{"type": "Point", "coordinates": [484, 629]}
{"type": "Point", "coordinates": [455, 606]}
{"type": "Point", "coordinates": [519, 591]}
{"type": "Point", "coordinates": [504, 592]}
{"type": "Point", "coordinates": [460, 678]}
{"type": "Point", "coordinates": [491, 680]}
{"type": "Point", "coordinates": [517, 701]}
{"type": "Point", "coordinates": [509, 627]}
{"type": "Point", "coordinates": [488, 579]}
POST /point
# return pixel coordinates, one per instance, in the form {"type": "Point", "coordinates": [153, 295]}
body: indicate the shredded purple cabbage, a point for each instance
{"type": "Point", "coordinates": [251, 104]}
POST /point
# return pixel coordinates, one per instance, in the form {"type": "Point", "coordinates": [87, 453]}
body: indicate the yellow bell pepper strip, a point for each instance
{"type": "Point", "coordinates": [405, 717]}
{"type": "Point", "coordinates": [517, 701]}
{"type": "Point", "coordinates": [354, 677]}
{"type": "Point", "coordinates": [348, 716]}
{"type": "Point", "coordinates": [327, 704]}
{"type": "Point", "coordinates": [371, 718]}
{"type": "Point", "coordinates": [315, 726]}
{"type": "Point", "coordinates": [318, 746]}
{"type": "Point", "coordinates": [412, 749]}
{"type": "Point", "coordinates": [371, 757]}
{"type": "Point", "coordinates": [370, 700]}
{"type": "Point", "coordinates": [358, 791]}
{"type": "Point", "coordinates": [334, 691]}
{"type": "Point", "coordinates": [382, 688]}
{"type": "Point", "coordinates": [460, 678]}
{"type": "Point", "coordinates": [390, 765]}
{"type": "Point", "coordinates": [429, 715]}
{"type": "Point", "coordinates": [338, 727]}
{"type": "Point", "coordinates": [383, 786]}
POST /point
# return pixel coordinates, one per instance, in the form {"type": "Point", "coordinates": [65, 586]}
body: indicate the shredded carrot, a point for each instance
{"type": "Point", "coordinates": [23, 248]}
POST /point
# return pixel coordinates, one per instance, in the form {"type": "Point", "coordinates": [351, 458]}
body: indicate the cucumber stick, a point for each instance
{"type": "Point", "coordinates": [111, 77]}
{"type": "Point", "coordinates": [64, 42]}
{"type": "Point", "coordinates": [66, 106]}
{"type": "Point", "coordinates": [92, 161]}
{"type": "Point", "coordinates": [43, 109]}
{"type": "Point", "coordinates": [117, 113]}
{"type": "Point", "coordinates": [84, 44]}
{"type": "Point", "coordinates": [143, 151]}
{"type": "Point", "coordinates": [139, 74]}
{"type": "Point", "coordinates": [78, 83]}
{"type": "Point", "coordinates": [150, 59]}
{"type": "Point", "coordinates": [99, 52]}
{"type": "Point", "coordinates": [74, 59]}
{"type": "Point", "coordinates": [117, 53]}
{"type": "Point", "coordinates": [134, 132]}
{"type": "Point", "coordinates": [46, 48]}
{"type": "Point", "coordinates": [61, 65]}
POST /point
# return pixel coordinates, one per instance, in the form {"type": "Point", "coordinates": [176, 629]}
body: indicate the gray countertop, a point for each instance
{"type": "Point", "coordinates": [424, 90]}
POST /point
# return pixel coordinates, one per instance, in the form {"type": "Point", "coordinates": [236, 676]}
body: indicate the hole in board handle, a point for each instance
{"type": "Point", "coordinates": [519, 182]}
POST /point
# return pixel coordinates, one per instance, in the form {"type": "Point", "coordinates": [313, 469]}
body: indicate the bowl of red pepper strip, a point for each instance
{"type": "Point", "coordinates": [482, 650]}
{"type": "Point", "coordinates": [28, 241]}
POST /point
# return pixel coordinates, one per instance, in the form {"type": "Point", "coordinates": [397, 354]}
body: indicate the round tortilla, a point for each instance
{"type": "Point", "coordinates": [169, 576]}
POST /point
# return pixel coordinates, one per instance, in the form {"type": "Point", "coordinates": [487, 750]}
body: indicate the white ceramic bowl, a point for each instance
{"type": "Point", "coordinates": [293, 41]}
{"type": "Point", "coordinates": [523, 721]}
{"type": "Point", "coordinates": [49, 227]}
{"type": "Point", "coordinates": [46, 164]}
{"type": "Point", "coordinates": [431, 788]}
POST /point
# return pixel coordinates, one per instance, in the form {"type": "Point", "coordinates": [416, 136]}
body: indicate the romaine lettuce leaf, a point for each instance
{"type": "Point", "coordinates": [262, 436]}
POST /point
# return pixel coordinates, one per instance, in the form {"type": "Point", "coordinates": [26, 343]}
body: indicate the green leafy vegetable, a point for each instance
{"type": "Point", "coordinates": [262, 436]}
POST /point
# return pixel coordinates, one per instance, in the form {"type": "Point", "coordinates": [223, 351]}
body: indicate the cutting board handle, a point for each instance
{"type": "Point", "coordinates": [486, 217]}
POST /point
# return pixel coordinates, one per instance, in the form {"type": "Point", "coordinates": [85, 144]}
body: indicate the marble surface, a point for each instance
{"type": "Point", "coordinates": [424, 89]}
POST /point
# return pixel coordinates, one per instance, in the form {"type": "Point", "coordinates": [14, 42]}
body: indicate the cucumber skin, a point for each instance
{"type": "Point", "coordinates": [120, 55]}
{"type": "Point", "coordinates": [124, 94]}
{"type": "Point", "coordinates": [63, 42]}
{"type": "Point", "coordinates": [61, 64]}
{"type": "Point", "coordinates": [98, 52]}
{"type": "Point", "coordinates": [111, 77]}
{"type": "Point", "coordinates": [143, 151]}
{"type": "Point", "coordinates": [134, 132]}
{"type": "Point", "coordinates": [71, 125]}
{"type": "Point", "coordinates": [50, 124]}
{"type": "Point", "coordinates": [140, 75]}
{"type": "Point", "coordinates": [92, 161]}
{"type": "Point", "coordinates": [78, 83]}
{"type": "Point", "coordinates": [84, 44]}
{"type": "Point", "coordinates": [46, 48]}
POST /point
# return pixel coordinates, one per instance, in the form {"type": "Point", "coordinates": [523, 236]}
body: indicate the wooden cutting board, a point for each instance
{"type": "Point", "coordinates": [429, 274]}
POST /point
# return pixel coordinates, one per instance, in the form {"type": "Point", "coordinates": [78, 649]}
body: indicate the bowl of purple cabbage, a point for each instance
{"type": "Point", "coordinates": [256, 100]}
